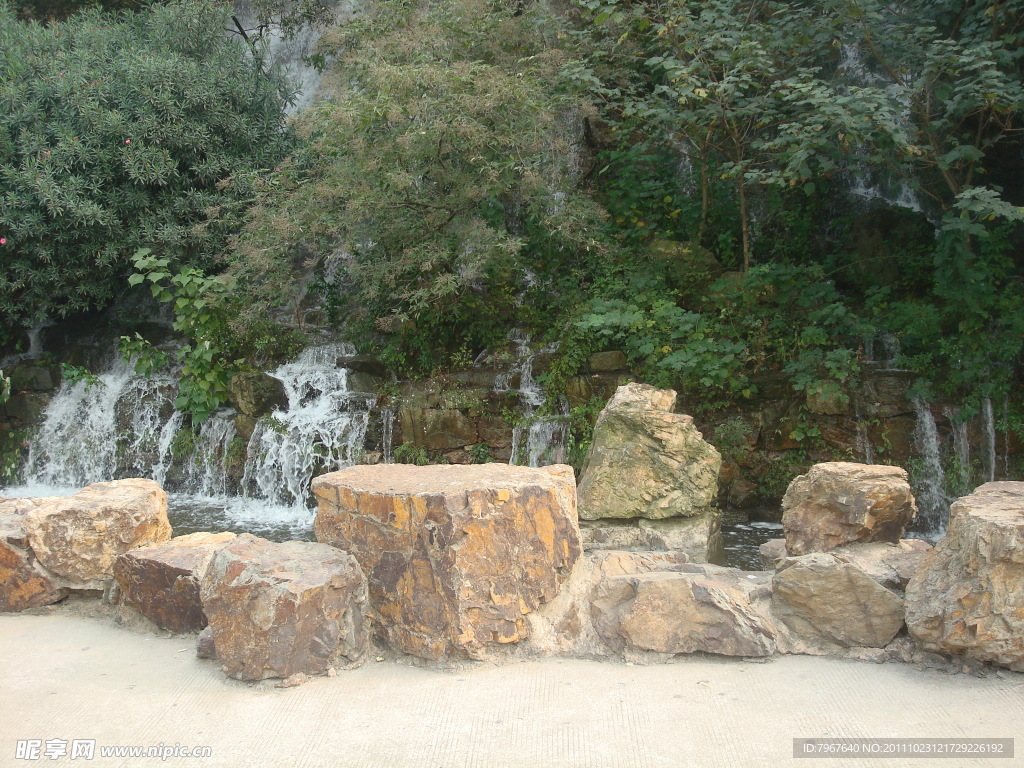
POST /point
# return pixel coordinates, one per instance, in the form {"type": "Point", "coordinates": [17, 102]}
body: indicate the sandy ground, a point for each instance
{"type": "Point", "coordinates": [68, 676]}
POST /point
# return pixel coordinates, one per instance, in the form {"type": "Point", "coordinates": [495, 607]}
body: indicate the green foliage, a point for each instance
{"type": "Point", "coordinates": [122, 131]}
{"type": "Point", "coordinates": [732, 438]}
{"type": "Point", "coordinates": [182, 444]}
{"type": "Point", "coordinates": [198, 315]}
{"type": "Point", "coordinates": [76, 373]}
{"type": "Point", "coordinates": [439, 178]}
{"type": "Point", "coordinates": [480, 453]}
{"type": "Point", "coordinates": [407, 453]}
{"type": "Point", "coordinates": [582, 419]}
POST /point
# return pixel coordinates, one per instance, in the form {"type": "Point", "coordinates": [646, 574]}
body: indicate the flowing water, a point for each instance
{"type": "Point", "coordinates": [119, 424]}
{"type": "Point", "coordinates": [932, 503]}
{"type": "Point", "coordinates": [539, 440]}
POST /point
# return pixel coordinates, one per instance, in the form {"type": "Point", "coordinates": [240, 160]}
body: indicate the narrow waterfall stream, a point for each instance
{"type": "Point", "coordinates": [120, 424]}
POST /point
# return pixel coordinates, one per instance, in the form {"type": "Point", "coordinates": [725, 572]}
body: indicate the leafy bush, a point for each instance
{"type": "Point", "coordinates": [122, 132]}
{"type": "Point", "coordinates": [437, 186]}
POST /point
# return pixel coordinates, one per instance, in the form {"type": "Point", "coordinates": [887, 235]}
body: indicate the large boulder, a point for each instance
{"type": "Point", "coordinates": [24, 583]}
{"type": "Point", "coordinates": [646, 461]}
{"type": "Point", "coordinates": [162, 581]}
{"type": "Point", "coordinates": [687, 609]}
{"type": "Point", "coordinates": [456, 556]}
{"type": "Point", "coordinates": [278, 609]}
{"type": "Point", "coordinates": [968, 596]}
{"type": "Point", "coordinates": [79, 537]}
{"type": "Point", "coordinates": [838, 503]}
{"type": "Point", "coordinates": [827, 601]}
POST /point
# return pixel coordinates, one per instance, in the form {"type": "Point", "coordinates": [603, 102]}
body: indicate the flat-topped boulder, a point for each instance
{"type": "Point", "coordinates": [455, 556]}
{"type": "Point", "coordinates": [646, 461]}
{"type": "Point", "coordinates": [826, 601]}
{"type": "Point", "coordinates": [162, 581]}
{"type": "Point", "coordinates": [278, 609]}
{"type": "Point", "coordinates": [79, 537]}
{"type": "Point", "coordinates": [841, 502]}
{"type": "Point", "coordinates": [968, 596]}
{"type": "Point", "coordinates": [24, 583]}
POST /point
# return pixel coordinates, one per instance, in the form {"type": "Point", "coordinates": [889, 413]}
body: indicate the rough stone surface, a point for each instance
{"type": "Point", "coordinates": [709, 610]}
{"type": "Point", "coordinates": [772, 553]}
{"type": "Point", "coordinates": [699, 537]}
{"type": "Point", "coordinates": [162, 581]}
{"type": "Point", "coordinates": [891, 565]}
{"type": "Point", "coordinates": [607, 362]}
{"type": "Point", "coordinates": [825, 600]}
{"type": "Point", "coordinates": [437, 429]}
{"type": "Point", "coordinates": [838, 503]}
{"type": "Point", "coordinates": [646, 461]}
{"type": "Point", "coordinates": [80, 537]}
{"type": "Point", "coordinates": [456, 556]}
{"type": "Point", "coordinates": [278, 609]}
{"type": "Point", "coordinates": [968, 596]}
{"type": "Point", "coordinates": [255, 393]}
{"type": "Point", "coordinates": [23, 582]}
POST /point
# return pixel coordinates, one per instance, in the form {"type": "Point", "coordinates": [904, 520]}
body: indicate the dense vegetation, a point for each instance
{"type": "Point", "coordinates": [723, 189]}
{"type": "Point", "coordinates": [118, 132]}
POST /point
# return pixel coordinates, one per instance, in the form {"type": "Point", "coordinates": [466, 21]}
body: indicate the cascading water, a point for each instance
{"type": "Point", "coordinates": [961, 447]}
{"type": "Point", "coordinates": [539, 440]}
{"type": "Point", "coordinates": [120, 424]}
{"type": "Point", "coordinates": [988, 431]}
{"type": "Point", "coordinates": [323, 426]}
{"type": "Point", "coordinates": [931, 500]}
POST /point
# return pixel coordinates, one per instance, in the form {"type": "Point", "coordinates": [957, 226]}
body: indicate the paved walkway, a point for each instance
{"type": "Point", "coordinates": [65, 676]}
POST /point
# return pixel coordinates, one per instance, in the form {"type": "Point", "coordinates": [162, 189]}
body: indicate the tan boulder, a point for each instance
{"type": "Point", "coordinates": [968, 596]}
{"type": "Point", "coordinates": [688, 609]}
{"type": "Point", "coordinates": [646, 461]}
{"type": "Point", "coordinates": [824, 600]}
{"type": "Point", "coordinates": [699, 537]}
{"type": "Point", "coordinates": [162, 581]}
{"type": "Point", "coordinates": [838, 503]}
{"type": "Point", "coordinates": [80, 537]}
{"type": "Point", "coordinates": [24, 583]}
{"type": "Point", "coordinates": [455, 556]}
{"type": "Point", "coordinates": [891, 565]}
{"type": "Point", "coordinates": [279, 609]}
{"type": "Point", "coordinates": [772, 553]}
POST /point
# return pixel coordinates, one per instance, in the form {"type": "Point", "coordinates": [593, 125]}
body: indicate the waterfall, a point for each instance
{"type": "Point", "coordinates": [931, 500]}
{"type": "Point", "coordinates": [120, 424]}
{"type": "Point", "coordinates": [538, 440]}
{"type": "Point", "coordinates": [77, 443]}
{"type": "Point", "coordinates": [324, 426]}
{"type": "Point", "coordinates": [387, 433]}
{"type": "Point", "coordinates": [863, 438]}
{"type": "Point", "coordinates": [961, 448]}
{"type": "Point", "coordinates": [988, 431]}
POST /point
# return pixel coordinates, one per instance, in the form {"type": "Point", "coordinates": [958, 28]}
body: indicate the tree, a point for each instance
{"type": "Point", "coordinates": [122, 132]}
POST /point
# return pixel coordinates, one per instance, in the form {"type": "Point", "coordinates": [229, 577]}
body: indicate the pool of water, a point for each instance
{"type": "Point", "coordinates": [743, 531]}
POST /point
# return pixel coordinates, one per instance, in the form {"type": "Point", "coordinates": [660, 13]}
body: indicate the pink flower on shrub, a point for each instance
{"type": "Point", "coordinates": [127, 141]}
{"type": "Point", "coordinates": [3, 241]}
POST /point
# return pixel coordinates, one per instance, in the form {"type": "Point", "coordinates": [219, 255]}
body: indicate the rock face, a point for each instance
{"type": "Point", "coordinates": [838, 503]}
{"type": "Point", "coordinates": [162, 581]}
{"type": "Point", "coordinates": [696, 536]}
{"type": "Point", "coordinates": [822, 599]}
{"type": "Point", "coordinates": [707, 609]}
{"type": "Point", "coordinates": [23, 582]}
{"type": "Point", "coordinates": [279, 609]}
{"type": "Point", "coordinates": [968, 597]}
{"type": "Point", "coordinates": [455, 556]}
{"type": "Point", "coordinates": [646, 461]}
{"type": "Point", "coordinates": [80, 537]}
{"type": "Point", "coordinates": [255, 393]}
{"type": "Point", "coordinates": [891, 565]}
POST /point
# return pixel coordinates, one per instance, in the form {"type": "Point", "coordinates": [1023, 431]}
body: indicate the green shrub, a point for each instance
{"type": "Point", "coordinates": [118, 132]}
